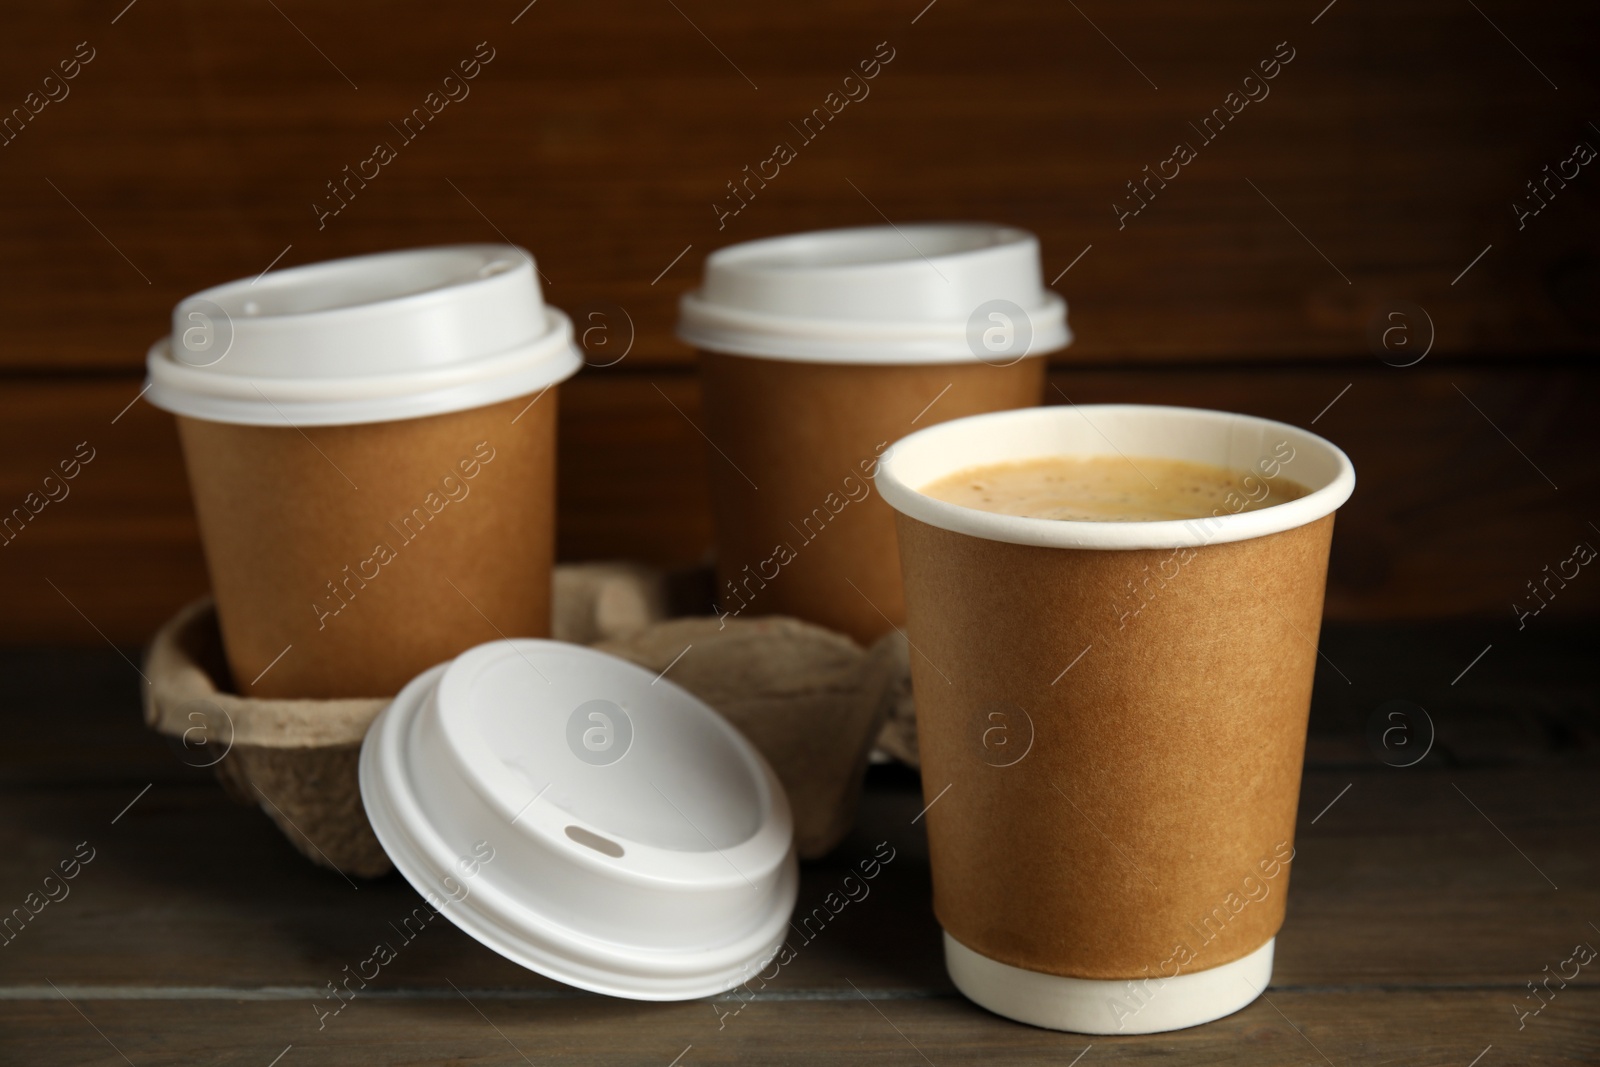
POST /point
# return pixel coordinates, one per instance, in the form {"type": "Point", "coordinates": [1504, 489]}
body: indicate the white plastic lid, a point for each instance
{"type": "Point", "coordinates": [396, 335]}
{"type": "Point", "coordinates": [584, 818]}
{"type": "Point", "coordinates": [923, 293]}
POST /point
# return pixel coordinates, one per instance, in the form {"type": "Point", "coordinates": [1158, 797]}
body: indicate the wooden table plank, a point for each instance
{"type": "Point", "coordinates": [1399, 861]}
{"type": "Point", "coordinates": [1397, 1028]}
{"type": "Point", "coordinates": [1422, 903]}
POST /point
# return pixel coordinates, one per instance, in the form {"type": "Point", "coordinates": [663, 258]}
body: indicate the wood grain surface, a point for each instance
{"type": "Point", "coordinates": [1385, 156]}
{"type": "Point", "coordinates": [1379, 175]}
{"type": "Point", "coordinates": [1399, 1028]}
{"type": "Point", "coordinates": [1422, 901]}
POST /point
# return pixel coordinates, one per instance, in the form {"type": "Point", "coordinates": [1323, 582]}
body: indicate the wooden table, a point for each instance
{"type": "Point", "coordinates": [1424, 899]}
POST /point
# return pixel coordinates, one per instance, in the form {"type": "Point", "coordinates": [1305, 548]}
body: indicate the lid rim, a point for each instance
{"type": "Point", "coordinates": [698, 312]}
{"type": "Point", "coordinates": [441, 390]}
{"type": "Point", "coordinates": [762, 336]}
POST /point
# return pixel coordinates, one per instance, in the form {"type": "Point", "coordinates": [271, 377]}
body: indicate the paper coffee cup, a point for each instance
{"type": "Point", "coordinates": [1112, 716]}
{"type": "Point", "coordinates": [371, 447]}
{"type": "Point", "coordinates": [817, 350]}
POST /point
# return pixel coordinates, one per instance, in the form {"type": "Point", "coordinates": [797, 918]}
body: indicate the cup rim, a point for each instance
{"type": "Point", "coordinates": [917, 460]}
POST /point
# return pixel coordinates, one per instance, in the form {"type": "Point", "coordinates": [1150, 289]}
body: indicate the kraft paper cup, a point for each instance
{"type": "Point", "coordinates": [819, 349]}
{"type": "Point", "coordinates": [372, 456]}
{"type": "Point", "coordinates": [1112, 716]}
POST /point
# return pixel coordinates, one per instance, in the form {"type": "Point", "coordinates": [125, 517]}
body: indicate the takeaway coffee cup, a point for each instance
{"type": "Point", "coordinates": [371, 447]}
{"type": "Point", "coordinates": [817, 350]}
{"type": "Point", "coordinates": [1112, 716]}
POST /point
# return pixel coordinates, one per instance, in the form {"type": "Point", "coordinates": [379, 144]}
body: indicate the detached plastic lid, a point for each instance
{"type": "Point", "coordinates": [396, 335]}
{"type": "Point", "coordinates": [925, 293]}
{"type": "Point", "coordinates": [584, 818]}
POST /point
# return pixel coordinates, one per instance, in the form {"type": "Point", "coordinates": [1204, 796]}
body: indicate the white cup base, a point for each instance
{"type": "Point", "coordinates": [1094, 1006]}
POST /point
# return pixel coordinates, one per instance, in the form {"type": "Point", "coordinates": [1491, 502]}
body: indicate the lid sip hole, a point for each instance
{"type": "Point", "coordinates": [594, 841]}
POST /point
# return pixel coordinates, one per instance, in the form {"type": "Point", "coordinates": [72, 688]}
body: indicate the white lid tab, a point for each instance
{"type": "Point", "coordinates": [371, 338]}
{"type": "Point", "coordinates": [584, 818]}
{"type": "Point", "coordinates": [919, 293]}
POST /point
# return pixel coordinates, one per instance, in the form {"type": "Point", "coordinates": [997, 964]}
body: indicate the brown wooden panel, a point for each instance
{"type": "Point", "coordinates": [1399, 1028]}
{"type": "Point", "coordinates": [633, 470]}
{"type": "Point", "coordinates": [193, 146]}
{"type": "Point", "coordinates": [1422, 902]}
{"type": "Point", "coordinates": [1376, 881]}
{"type": "Point", "coordinates": [196, 932]}
{"type": "Point", "coordinates": [117, 552]}
{"type": "Point", "coordinates": [1449, 518]}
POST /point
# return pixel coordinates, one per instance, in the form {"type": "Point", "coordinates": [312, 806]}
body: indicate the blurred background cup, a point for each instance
{"type": "Point", "coordinates": [816, 351]}
{"type": "Point", "coordinates": [1128, 874]}
{"type": "Point", "coordinates": [370, 443]}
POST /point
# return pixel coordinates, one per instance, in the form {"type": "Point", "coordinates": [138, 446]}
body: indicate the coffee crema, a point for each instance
{"type": "Point", "coordinates": [1112, 489]}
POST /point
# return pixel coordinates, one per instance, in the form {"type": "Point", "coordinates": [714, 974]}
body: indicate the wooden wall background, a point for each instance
{"type": "Point", "coordinates": [1385, 160]}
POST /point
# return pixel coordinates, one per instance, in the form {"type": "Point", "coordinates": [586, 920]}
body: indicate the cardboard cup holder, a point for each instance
{"type": "Point", "coordinates": [295, 759]}
{"type": "Point", "coordinates": [776, 680]}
